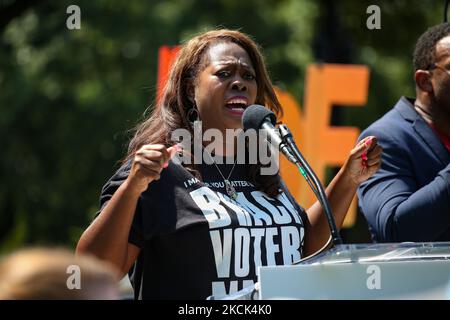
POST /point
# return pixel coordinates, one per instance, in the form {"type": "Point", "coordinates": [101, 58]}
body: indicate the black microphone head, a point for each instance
{"type": "Point", "coordinates": [255, 115]}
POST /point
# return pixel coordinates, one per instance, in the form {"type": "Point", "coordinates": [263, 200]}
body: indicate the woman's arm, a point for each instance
{"type": "Point", "coordinates": [107, 236]}
{"type": "Point", "coordinates": [363, 162]}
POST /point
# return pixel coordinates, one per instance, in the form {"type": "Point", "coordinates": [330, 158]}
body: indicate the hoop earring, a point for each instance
{"type": "Point", "coordinates": [193, 115]}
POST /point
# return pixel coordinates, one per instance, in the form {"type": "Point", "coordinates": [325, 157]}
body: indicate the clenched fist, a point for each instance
{"type": "Point", "coordinates": [148, 162]}
{"type": "Point", "coordinates": [364, 160]}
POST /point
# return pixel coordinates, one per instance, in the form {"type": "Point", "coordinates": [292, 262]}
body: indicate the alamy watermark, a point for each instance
{"type": "Point", "coordinates": [374, 20]}
{"type": "Point", "coordinates": [74, 280]}
{"type": "Point", "coordinates": [251, 147]}
{"type": "Point", "coordinates": [73, 21]}
{"type": "Point", "coordinates": [373, 281]}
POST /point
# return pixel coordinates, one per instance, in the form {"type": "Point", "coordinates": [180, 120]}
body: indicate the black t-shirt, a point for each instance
{"type": "Point", "coordinates": [196, 241]}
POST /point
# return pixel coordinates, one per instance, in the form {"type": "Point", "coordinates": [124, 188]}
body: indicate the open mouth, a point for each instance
{"type": "Point", "coordinates": [237, 105]}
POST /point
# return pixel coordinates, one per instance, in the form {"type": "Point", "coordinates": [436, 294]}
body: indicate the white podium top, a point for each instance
{"type": "Point", "coordinates": [364, 271]}
{"type": "Point", "coordinates": [382, 252]}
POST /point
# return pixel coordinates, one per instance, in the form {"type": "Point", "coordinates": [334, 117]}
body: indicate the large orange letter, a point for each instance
{"type": "Point", "coordinates": [322, 144]}
{"type": "Point", "coordinates": [166, 56]}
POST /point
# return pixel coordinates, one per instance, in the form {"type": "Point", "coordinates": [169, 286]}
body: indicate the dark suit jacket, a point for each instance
{"type": "Point", "coordinates": [408, 199]}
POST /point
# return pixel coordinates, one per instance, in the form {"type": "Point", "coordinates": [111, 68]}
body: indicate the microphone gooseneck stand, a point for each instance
{"type": "Point", "coordinates": [312, 180]}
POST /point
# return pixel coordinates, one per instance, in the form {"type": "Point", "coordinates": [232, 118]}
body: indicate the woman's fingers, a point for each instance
{"type": "Point", "coordinates": [153, 165]}
{"type": "Point", "coordinates": [364, 147]}
{"type": "Point", "coordinates": [148, 163]}
{"type": "Point", "coordinates": [374, 168]}
{"type": "Point", "coordinates": [369, 151]}
{"type": "Point", "coordinates": [150, 171]}
{"type": "Point", "coordinates": [155, 152]}
{"type": "Point", "coordinates": [374, 156]}
{"type": "Point", "coordinates": [372, 162]}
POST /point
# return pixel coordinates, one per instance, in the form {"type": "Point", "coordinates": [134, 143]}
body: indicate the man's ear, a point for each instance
{"type": "Point", "coordinates": [423, 80]}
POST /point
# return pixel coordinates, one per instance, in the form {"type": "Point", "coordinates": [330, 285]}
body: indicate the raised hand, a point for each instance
{"type": "Point", "coordinates": [148, 162]}
{"type": "Point", "coordinates": [364, 160]}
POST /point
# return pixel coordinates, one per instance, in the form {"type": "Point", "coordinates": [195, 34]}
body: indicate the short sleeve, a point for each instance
{"type": "Point", "coordinates": [108, 191]}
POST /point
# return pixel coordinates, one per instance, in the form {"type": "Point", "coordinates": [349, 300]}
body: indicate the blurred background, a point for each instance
{"type": "Point", "coordinates": [69, 97]}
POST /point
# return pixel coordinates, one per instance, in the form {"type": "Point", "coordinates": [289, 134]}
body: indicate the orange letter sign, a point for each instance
{"type": "Point", "coordinates": [321, 144]}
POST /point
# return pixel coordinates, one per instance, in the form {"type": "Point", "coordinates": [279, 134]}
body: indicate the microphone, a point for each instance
{"type": "Point", "coordinates": [259, 117]}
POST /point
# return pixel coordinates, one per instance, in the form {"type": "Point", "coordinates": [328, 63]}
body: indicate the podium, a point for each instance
{"type": "Point", "coordinates": [363, 271]}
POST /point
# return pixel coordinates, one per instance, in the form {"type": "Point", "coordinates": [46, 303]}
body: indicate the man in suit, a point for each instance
{"type": "Point", "coordinates": [408, 199]}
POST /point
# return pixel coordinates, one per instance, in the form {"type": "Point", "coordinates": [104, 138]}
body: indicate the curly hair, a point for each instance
{"type": "Point", "coordinates": [171, 112]}
{"type": "Point", "coordinates": [425, 50]}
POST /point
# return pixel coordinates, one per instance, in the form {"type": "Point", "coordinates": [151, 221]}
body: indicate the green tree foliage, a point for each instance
{"type": "Point", "coordinates": [68, 97]}
{"type": "Point", "coordinates": [388, 51]}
